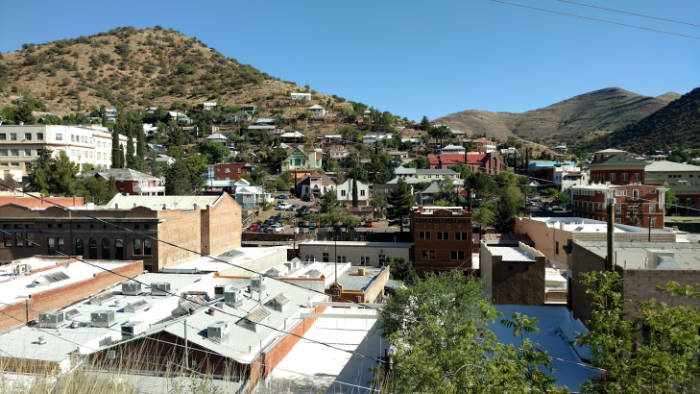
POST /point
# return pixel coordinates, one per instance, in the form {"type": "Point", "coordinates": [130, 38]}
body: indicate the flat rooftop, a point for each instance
{"type": "Point", "coordinates": [585, 225]}
{"type": "Point", "coordinates": [510, 252]}
{"type": "Point", "coordinates": [650, 255]}
{"type": "Point", "coordinates": [311, 367]}
{"type": "Point", "coordinates": [258, 259]}
{"type": "Point", "coordinates": [38, 274]}
{"type": "Point", "coordinates": [350, 280]}
{"type": "Point", "coordinates": [359, 244]}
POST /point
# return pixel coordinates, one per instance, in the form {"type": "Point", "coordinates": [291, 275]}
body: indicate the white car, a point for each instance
{"type": "Point", "coordinates": [284, 207]}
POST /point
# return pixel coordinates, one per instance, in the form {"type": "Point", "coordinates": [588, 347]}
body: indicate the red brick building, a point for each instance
{"type": "Point", "coordinates": [489, 163]}
{"type": "Point", "coordinates": [617, 167]}
{"type": "Point", "coordinates": [442, 238]}
{"type": "Point", "coordinates": [133, 182]}
{"type": "Point", "coordinates": [635, 205]}
{"type": "Point", "coordinates": [227, 171]}
{"type": "Point", "coordinates": [26, 201]}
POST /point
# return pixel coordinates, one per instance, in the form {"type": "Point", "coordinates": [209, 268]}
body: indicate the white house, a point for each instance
{"type": "Point", "coordinates": [344, 192]}
{"type": "Point", "coordinates": [453, 149]}
{"type": "Point", "coordinates": [217, 137]}
{"type": "Point", "coordinates": [373, 138]}
{"type": "Point", "coordinates": [208, 105]}
{"type": "Point", "coordinates": [149, 130]}
{"type": "Point", "coordinates": [250, 197]}
{"type": "Point", "coordinates": [317, 111]}
{"type": "Point", "coordinates": [424, 175]}
{"type": "Point", "coordinates": [298, 96]}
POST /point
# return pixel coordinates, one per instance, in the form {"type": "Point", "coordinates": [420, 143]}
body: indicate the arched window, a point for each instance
{"type": "Point", "coordinates": [106, 250]}
{"type": "Point", "coordinates": [92, 248]}
{"type": "Point", "coordinates": [147, 247]}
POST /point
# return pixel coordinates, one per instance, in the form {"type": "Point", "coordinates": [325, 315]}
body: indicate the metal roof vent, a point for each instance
{"type": "Point", "coordinates": [104, 318]}
{"type": "Point", "coordinates": [218, 331]}
{"type": "Point", "coordinates": [136, 306]}
{"type": "Point", "coordinates": [52, 319]}
{"type": "Point", "coordinates": [160, 288]}
{"type": "Point", "coordinates": [132, 329]}
{"type": "Point", "coordinates": [131, 288]}
{"type": "Point", "coordinates": [41, 340]}
{"type": "Point", "coordinates": [258, 283]}
{"type": "Point", "coordinates": [233, 297]}
{"type": "Point", "coordinates": [280, 303]}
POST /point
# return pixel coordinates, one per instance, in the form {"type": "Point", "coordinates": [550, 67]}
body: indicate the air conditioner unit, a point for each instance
{"type": "Point", "coordinates": [136, 306]}
{"type": "Point", "coordinates": [102, 319]}
{"type": "Point", "coordinates": [217, 331]}
{"type": "Point", "coordinates": [233, 297]}
{"type": "Point", "coordinates": [160, 288]}
{"type": "Point", "coordinates": [132, 329]}
{"type": "Point", "coordinates": [131, 288]}
{"type": "Point", "coordinates": [258, 284]}
{"type": "Point", "coordinates": [219, 291]}
{"type": "Point", "coordinates": [51, 319]}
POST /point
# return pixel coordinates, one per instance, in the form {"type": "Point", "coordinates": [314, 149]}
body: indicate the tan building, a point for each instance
{"type": "Point", "coordinates": [512, 273]}
{"type": "Point", "coordinates": [646, 269]}
{"type": "Point", "coordinates": [125, 229]}
{"type": "Point", "coordinates": [552, 235]}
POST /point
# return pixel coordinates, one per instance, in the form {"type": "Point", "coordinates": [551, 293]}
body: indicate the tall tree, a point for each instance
{"type": "Point", "coordinates": [130, 158]}
{"type": "Point", "coordinates": [177, 179]}
{"type": "Point", "coordinates": [117, 155]}
{"type": "Point", "coordinates": [401, 201]}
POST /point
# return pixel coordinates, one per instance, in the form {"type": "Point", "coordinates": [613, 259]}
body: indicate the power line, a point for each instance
{"type": "Point", "coordinates": [658, 18]}
{"type": "Point", "coordinates": [207, 305]}
{"type": "Point", "coordinates": [595, 19]}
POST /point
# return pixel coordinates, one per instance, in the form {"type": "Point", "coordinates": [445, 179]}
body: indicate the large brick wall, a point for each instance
{"type": "Point", "coordinates": [517, 282]}
{"type": "Point", "coordinates": [178, 228]}
{"type": "Point", "coordinates": [221, 226]}
{"type": "Point", "coordinates": [61, 297]}
{"type": "Point", "coordinates": [643, 285]}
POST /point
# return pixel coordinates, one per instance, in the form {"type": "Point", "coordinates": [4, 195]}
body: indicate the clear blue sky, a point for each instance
{"type": "Point", "coordinates": [409, 57]}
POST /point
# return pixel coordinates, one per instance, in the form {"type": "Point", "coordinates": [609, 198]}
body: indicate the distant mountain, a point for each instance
{"type": "Point", "coordinates": [138, 68]}
{"type": "Point", "coordinates": [583, 117]}
{"type": "Point", "coordinates": [675, 126]}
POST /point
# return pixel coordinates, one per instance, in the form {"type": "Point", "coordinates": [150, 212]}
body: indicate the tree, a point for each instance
{"type": "Point", "coordinates": [96, 190]}
{"type": "Point", "coordinates": [329, 202]}
{"type": "Point", "coordinates": [403, 270]}
{"type": "Point", "coordinates": [439, 330]}
{"type": "Point", "coordinates": [509, 205]}
{"type": "Point", "coordinates": [214, 152]}
{"type": "Point", "coordinates": [380, 204]}
{"type": "Point", "coordinates": [655, 352]}
{"type": "Point", "coordinates": [670, 199]}
{"type": "Point", "coordinates": [117, 156]}
{"type": "Point", "coordinates": [177, 179]}
{"type": "Point", "coordinates": [53, 175]}
{"type": "Point", "coordinates": [130, 158]}
{"type": "Point", "coordinates": [421, 162]}
{"type": "Point", "coordinates": [424, 124]}
{"type": "Point", "coordinates": [485, 215]}
{"type": "Point", "coordinates": [401, 201]}
{"type": "Point", "coordinates": [196, 166]}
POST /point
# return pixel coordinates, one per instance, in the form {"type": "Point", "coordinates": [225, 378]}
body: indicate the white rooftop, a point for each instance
{"type": "Point", "coordinates": [258, 259]}
{"type": "Point", "coordinates": [360, 244]}
{"type": "Point", "coordinates": [665, 165]}
{"type": "Point", "coordinates": [511, 253]}
{"type": "Point", "coordinates": [159, 203]}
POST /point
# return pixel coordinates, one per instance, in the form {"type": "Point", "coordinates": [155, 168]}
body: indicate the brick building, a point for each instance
{"type": "Point", "coordinates": [490, 163]}
{"type": "Point", "coordinates": [204, 224]}
{"type": "Point", "coordinates": [40, 284]}
{"type": "Point", "coordinates": [635, 204]}
{"type": "Point", "coordinates": [617, 167]}
{"type": "Point", "coordinates": [227, 171]}
{"type": "Point", "coordinates": [512, 273]}
{"type": "Point", "coordinates": [23, 200]}
{"type": "Point", "coordinates": [442, 238]}
{"type": "Point", "coordinates": [646, 269]}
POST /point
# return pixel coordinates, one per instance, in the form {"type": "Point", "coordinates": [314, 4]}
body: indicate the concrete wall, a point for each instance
{"type": "Point", "coordinates": [352, 253]}
{"type": "Point", "coordinates": [57, 298]}
{"type": "Point", "coordinates": [643, 285]}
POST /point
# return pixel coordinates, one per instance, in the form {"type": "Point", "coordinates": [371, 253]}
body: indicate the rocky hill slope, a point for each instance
{"type": "Point", "coordinates": [580, 118]}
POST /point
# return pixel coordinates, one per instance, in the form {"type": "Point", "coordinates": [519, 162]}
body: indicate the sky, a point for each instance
{"type": "Point", "coordinates": [410, 57]}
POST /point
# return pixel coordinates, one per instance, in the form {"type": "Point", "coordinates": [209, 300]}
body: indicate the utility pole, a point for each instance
{"type": "Point", "coordinates": [187, 356]}
{"type": "Point", "coordinates": [610, 261]}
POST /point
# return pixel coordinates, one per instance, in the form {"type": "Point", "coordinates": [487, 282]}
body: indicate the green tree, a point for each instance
{"type": "Point", "coordinates": [485, 215]}
{"type": "Point", "coordinates": [670, 199]}
{"type": "Point", "coordinates": [214, 152]}
{"type": "Point", "coordinates": [421, 162]}
{"type": "Point", "coordinates": [401, 201]}
{"type": "Point", "coordinates": [439, 329]}
{"type": "Point", "coordinates": [329, 202]}
{"type": "Point", "coordinates": [196, 167]}
{"type": "Point", "coordinates": [424, 124]}
{"type": "Point", "coordinates": [117, 155]}
{"type": "Point", "coordinates": [380, 205]}
{"type": "Point", "coordinates": [40, 172]}
{"type": "Point", "coordinates": [654, 352]}
{"type": "Point", "coordinates": [98, 191]}
{"type": "Point", "coordinates": [177, 179]}
{"type": "Point", "coordinates": [129, 154]}
{"type": "Point", "coordinates": [509, 206]}
{"type": "Point", "coordinates": [53, 175]}
{"type": "Point", "coordinates": [403, 270]}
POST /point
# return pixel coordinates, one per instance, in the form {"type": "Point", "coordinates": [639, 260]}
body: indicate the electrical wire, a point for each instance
{"type": "Point", "coordinates": [207, 305]}
{"type": "Point", "coordinates": [658, 18]}
{"type": "Point", "coordinates": [595, 19]}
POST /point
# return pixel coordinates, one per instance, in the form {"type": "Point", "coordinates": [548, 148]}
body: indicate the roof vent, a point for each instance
{"type": "Point", "coordinates": [136, 306]}
{"type": "Point", "coordinates": [132, 329]}
{"type": "Point", "coordinates": [41, 340]}
{"type": "Point", "coordinates": [233, 297]}
{"type": "Point", "coordinates": [51, 319]}
{"type": "Point", "coordinates": [160, 288]}
{"type": "Point", "coordinates": [258, 283]}
{"type": "Point", "coordinates": [103, 319]}
{"type": "Point", "coordinates": [218, 331]}
{"type": "Point", "coordinates": [131, 288]}
{"type": "Point", "coordinates": [280, 303]}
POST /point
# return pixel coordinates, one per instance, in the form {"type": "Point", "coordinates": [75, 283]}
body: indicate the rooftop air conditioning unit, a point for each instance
{"type": "Point", "coordinates": [233, 297]}
{"type": "Point", "coordinates": [103, 319]}
{"type": "Point", "coordinates": [160, 288]}
{"type": "Point", "coordinates": [131, 288]}
{"type": "Point", "coordinates": [258, 283]}
{"type": "Point", "coordinates": [136, 306]}
{"type": "Point", "coordinates": [132, 329]}
{"type": "Point", "coordinates": [219, 291]}
{"type": "Point", "coordinates": [51, 319]}
{"type": "Point", "coordinates": [217, 331]}
{"type": "Point", "coordinates": [361, 271]}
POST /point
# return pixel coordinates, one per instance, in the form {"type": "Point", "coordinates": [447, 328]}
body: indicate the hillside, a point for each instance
{"type": "Point", "coordinates": [579, 118]}
{"type": "Point", "coordinates": [138, 68]}
{"type": "Point", "coordinates": [676, 125]}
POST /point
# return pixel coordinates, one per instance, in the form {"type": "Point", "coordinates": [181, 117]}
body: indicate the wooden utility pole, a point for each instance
{"type": "Point", "coordinates": [610, 261]}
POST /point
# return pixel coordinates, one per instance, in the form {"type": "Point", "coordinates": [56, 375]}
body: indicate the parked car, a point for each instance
{"type": "Point", "coordinates": [284, 207]}
{"type": "Point", "coordinates": [281, 197]}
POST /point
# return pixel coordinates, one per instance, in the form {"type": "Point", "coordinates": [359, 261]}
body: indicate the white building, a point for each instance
{"type": "Point", "coordinates": [424, 175]}
{"type": "Point", "coordinates": [453, 149]}
{"type": "Point", "coordinates": [208, 105]}
{"type": "Point", "coordinates": [317, 111]}
{"type": "Point", "coordinates": [344, 192]}
{"type": "Point", "coordinates": [297, 96]}
{"type": "Point", "coordinates": [251, 197]}
{"type": "Point", "coordinates": [19, 145]}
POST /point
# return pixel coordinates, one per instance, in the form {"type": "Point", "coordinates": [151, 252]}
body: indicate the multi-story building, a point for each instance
{"type": "Point", "coordinates": [345, 192]}
{"type": "Point", "coordinates": [646, 269]}
{"type": "Point", "coordinates": [489, 163]}
{"type": "Point", "coordinates": [424, 175]}
{"type": "Point", "coordinates": [84, 145]}
{"type": "Point", "coordinates": [512, 273]}
{"type": "Point", "coordinates": [635, 204]}
{"type": "Point", "coordinates": [553, 235]}
{"type": "Point", "coordinates": [682, 179]}
{"type": "Point", "coordinates": [132, 182]}
{"type": "Point", "coordinates": [442, 238]}
{"type": "Point", "coordinates": [617, 167]}
{"type": "Point", "coordinates": [301, 159]}
{"type": "Point", "coordinates": [354, 252]}
{"type": "Point", "coordinates": [226, 171]}
{"type": "Point", "coordinates": [125, 229]}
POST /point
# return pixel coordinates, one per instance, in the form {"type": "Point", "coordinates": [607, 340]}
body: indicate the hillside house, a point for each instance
{"type": "Point", "coordinates": [208, 105]}
{"type": "Point", "coordinates": [413, 176]}
{"type": "Point", "coordinates": [301, 159]}
{"type": "Point", "coordinates": [317, 111]}
{"type": "Point", "coordinates": [300, 96]}
{"type": "Point", "coordinates": [345, 190]}
{"type": "Point", "coordinates": [132, 182]}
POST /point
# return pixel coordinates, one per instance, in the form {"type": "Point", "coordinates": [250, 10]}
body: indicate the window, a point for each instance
{"type": "Point", "coordinates": [147, 247]}
{"type": "Point", "coordinates": [51, 244]}
{"type": "Point", "coordinates": [28, 136]}
{"type": "Point", "coordinates": [461, 236]}
{"type": "Point", "coordinates": [432, 255]}
{"type": "Point", "coordinates": [443, 235]}
{"type": "Point", "coordinates": [457, 255]}
{"type": "Point", "coordinates": [138, 247]}
{"type": "Point", "coordinates": [342, 193]}
{"type": "Point", "coordinates": [3, 136]}
{"type": "Point", "coordinates": [652, 222]}
{"type": "Point", "coordinates": [40, 136]}
{"type": "Point", "coordinates": [325, 257]}
{"type": "Point", "coordinates": [424, 254]}
{"type": "Point", "coordinates": [362, 193]}
{"type": "Point", "coordinates": [13, 136]}
{"type": "Point", "coordinates": [78, 248]}
{"type": "Point", "coordinates": [59, 136]}
{"type": "Point", "coordinates": [556, 247]}
{"type": "Point", "coordinates": [27, 152]}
